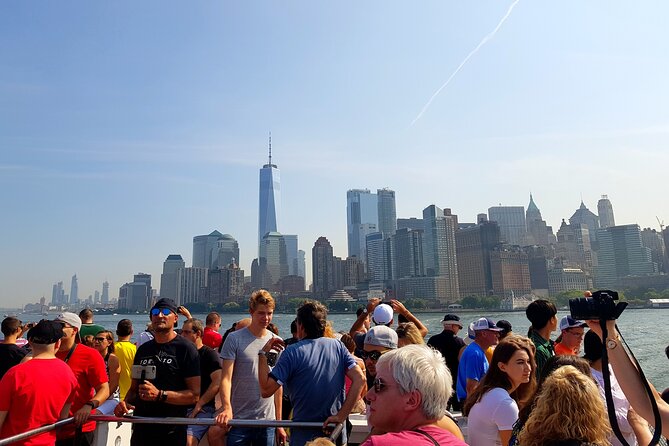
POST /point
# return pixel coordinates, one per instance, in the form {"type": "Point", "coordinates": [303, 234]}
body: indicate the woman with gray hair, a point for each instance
{"type": "Point", "coordinates": [409, 398]}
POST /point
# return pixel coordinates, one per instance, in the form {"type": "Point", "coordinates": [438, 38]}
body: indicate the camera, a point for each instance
{"type": "Point", "coordinates": [602, 306]}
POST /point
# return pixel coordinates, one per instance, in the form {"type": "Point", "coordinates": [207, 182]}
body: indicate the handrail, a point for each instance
{"type": "Point", "coordinates": [36, 431]}
{"type": "Point", "coordinates": [176, 420]}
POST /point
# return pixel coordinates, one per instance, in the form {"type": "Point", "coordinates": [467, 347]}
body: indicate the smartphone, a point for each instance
{"type": "Point", "coordinates": [143, 372]}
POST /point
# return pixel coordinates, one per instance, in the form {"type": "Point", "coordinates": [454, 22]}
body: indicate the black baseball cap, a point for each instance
{"type": "Point", "coordinates": [46, 332]}
{"type": "Point", "coordinates": [166, 302]}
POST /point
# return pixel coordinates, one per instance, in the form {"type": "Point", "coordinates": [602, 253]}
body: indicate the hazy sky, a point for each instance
{"type": "Point", "coordinates": [126, 128]}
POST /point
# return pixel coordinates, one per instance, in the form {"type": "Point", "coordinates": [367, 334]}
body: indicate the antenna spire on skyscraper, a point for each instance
{"type": "Point", "coordinates": [270, 148]}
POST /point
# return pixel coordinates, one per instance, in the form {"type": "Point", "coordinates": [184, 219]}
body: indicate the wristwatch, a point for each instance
{"type": "Point", "coordinates": [611, 343]}
{"type": "Point", "coordinates": [262, 353]}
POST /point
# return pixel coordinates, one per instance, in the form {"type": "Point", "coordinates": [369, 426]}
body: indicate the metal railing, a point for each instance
{"type": "Point", "coordinates": [174, 420]}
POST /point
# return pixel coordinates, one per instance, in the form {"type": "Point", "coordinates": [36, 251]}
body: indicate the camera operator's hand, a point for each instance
{"type": "Point", "coordinates": [373, 303]}
{"type": "Point", "coordinates": [148, 392]}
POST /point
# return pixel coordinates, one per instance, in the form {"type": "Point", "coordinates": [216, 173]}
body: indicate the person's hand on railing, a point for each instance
{"type": "Point", "coordinates": [82, 415]}
{"type": "Point", "coordinates": [123, 408]}
{"type": "Point", "coordinates": [224, 417]}
{"type": "Point", "coordinates": [281, 435]}
{"type": "Point", "coordinates": [196, 410]}
{"type": "Point", "coordinates": [333, 419]}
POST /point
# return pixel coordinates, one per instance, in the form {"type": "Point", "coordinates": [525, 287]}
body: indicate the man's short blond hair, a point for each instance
{"type": "Point", "coordinates": [261, 297]}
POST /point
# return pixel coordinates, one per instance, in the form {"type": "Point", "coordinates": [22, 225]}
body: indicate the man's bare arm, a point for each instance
{"type": "Point", "coordinates": [398, 307]}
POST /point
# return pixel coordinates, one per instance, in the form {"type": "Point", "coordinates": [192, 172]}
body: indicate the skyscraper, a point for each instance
{"type": "Point", "coordinates": [145, 279]}
{"type": "Point", "coordinates": [511, 221]}
{"type": "Point", "coordinates": [58, 294]}
{"type": "Point", "coordinates": [408, 253]}
{"type": "Point", "coordinates": [585, 216]}
{"type": "Point", "coordinates": [538, 233]}
{"type": "Point", "coordinates": [621, 254]}
{"type": "Point", "coordinates": [168, 279]}
{"type": "Point", "coordinates": [474, 246]}
{"type": "Point", "coordinates": [272, 263]}
{"type": "Point", "coordinates": [292, 254]}
{"type": "Point", "coordinates": [204, 248]}
{"type": "Point", "coordinates": [605, 211]}
{"type": "Point", "coordinates": [226, 250]}
{"type": "Point", "coordinates": [74, 291]}
{"type": "Point", "coordinates": [191, 285]}
{"type": "Point", "coordinates": [269, 198]}
{"type": "Point", "coordinates": [362, 218]}
{"type": "Point", "coordinates": [323, 271]}
{"type": "Point", "coordinates": [439, 249]}
{"type": "Point", "coordinates": [387, 215]}
{"type": "Point", "coordinates": [105, 293]}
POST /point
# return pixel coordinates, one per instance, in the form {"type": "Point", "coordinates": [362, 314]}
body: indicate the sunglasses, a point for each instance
{"type": "Point", "coordinates": [100, 339]}
{"type": "Point", "coordinates": [379, 385]}
{"type": "Point", "coordinates": [157, 311]}
{"type": "Point", "coordinates": [374, 355]}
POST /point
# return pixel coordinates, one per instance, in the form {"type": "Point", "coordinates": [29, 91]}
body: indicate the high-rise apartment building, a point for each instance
{"type": "Point", "coordinates": [191, 285]}
{"type": "Point", "coordinates": [584, 216]}
{"type": "Point", "coordinates": [605, 211]}
{"type": "Point", "coordinates": [105, 293]}
{"type": "Point", "coordinates": [377, 258]}
{"type": "Point", "coordinates": [407, 253]}
{"type": "Point", "coordinates": [74, 291]}
{"type": "Point", "coordinates": [322, 263]}
{"type": "Point", "coordinates": [132, 296]}
{"type": "Point", "coordinates": [269, 198]}
{"type": "Point", "coordinates": [653, 240]}
{"type": "Point", "coordinates": [146, 280]}
{"type": "Point", "coordinates": [511, 221]}
{"type": "Point", "coordinates": [168, 279]}
{"type": "Point", "coordinates": [410, 223]}
{"type": "Point", "coordinates": [621, 254]}
{"type": "Point", "coordinates": [225, 284]}
{"type": "Point", "coordinates": [292, 254]}
{"type": "Point", "coordinates": [510, 271]}
{"type": "Point", "coordinates": [387, 215]}
{"type": "Point", "coordinates": [474, 246]}
{"type": "Point", "coordinates": [58, 294]}
{"type": "Point", "coordinates": [272, 265]}
{"type": "Point", "coordinates": [361, 219]}
{"type": "Point", "coordinates": [439, 249]}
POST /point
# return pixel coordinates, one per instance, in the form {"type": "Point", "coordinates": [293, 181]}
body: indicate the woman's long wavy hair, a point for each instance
{"type": "Point", "coordinates": [568, 407]}
{"type": "Point", "coordinates": [495, 377]}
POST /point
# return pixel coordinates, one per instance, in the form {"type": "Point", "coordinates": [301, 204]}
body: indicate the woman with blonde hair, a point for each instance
{"type": "Point", "coordinates": [492, 408]}
{"type": "Point", "coordinates": [407, 334]}
{"type": "Point", "coordinates": [567, 412]}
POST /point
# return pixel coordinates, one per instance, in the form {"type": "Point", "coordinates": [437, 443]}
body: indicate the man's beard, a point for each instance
{"type": "Point", "coordinates": [162, 329]}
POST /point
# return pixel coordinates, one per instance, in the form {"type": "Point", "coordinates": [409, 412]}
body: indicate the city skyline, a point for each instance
{"type": "Point", "coordinates": [120, 142]}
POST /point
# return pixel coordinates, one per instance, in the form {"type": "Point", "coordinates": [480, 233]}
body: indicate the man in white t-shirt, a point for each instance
{"type": "Point", "coordinates": [240, 392]}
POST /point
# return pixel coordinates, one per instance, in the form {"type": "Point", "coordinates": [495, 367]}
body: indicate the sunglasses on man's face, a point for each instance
{"type": "Point", "coordinates": [164, 311]}
{"type": "Point", "coordinates": [374, 355]}
{"type": "Point", "coordinates": [379, 385]}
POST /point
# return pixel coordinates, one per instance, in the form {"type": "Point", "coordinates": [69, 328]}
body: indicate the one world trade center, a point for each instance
{"type": "Point", "coordinates": [270, 197]}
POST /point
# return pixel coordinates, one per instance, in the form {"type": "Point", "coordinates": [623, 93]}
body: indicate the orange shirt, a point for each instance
{"type": "Point", "coordinates": [561, 349]}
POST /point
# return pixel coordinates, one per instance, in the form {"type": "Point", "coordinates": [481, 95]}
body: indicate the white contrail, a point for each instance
{"type": "Point", "coordinates": [462, 64]}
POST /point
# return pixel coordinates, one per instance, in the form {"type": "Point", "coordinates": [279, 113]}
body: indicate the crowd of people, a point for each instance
{"type": "Point", "coordinates": [511, 389]}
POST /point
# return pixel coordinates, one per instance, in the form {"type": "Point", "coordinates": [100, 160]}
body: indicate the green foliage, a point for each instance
{"type": "Point", "coordinates": [230, 307]}
{"type": "Point", "coordinates": [415, 304]}
{"type": "Point", "coordinates": [480, 302]}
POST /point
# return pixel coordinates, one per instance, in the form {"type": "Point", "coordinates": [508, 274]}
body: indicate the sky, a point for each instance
{"type": "Point", "coordinates": [127, 128]}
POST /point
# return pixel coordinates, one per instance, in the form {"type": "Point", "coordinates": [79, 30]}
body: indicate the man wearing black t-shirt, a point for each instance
{"type": "Point", "coordinates": [175, 387]}
{"type": "Point", "coordinates": [210, 375]}
{"type": "Point", "coordinates": [10, 353]}
{"type": "Point", "coordinates": [450, 346]}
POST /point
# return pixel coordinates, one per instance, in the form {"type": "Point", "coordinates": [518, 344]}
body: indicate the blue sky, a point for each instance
{"type": "Point", "coordinates": [126, 128]}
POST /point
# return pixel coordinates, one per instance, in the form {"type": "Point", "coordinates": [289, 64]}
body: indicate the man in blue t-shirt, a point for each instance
{"type": "Point", "coordinates": [473, 363]}
{"type": "Point", "coordinates": [312, 373]}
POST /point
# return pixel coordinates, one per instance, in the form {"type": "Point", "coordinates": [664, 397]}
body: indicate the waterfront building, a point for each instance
{"type": "Point", "coordinates": [538, 232]}
{"type": "Point", "coordinates": [191, 285]}
{"type": "Point", "coordinates": [510, 271]}
{"type": "Point", "coordinates": [224, 252]}
{"type": "Point", "coordinates": [291, 284]}
{"type": "Point", "coordinates": [74, 291]}
{"type": "Point", "coordinates": [168, 279]}
{"type": "Point", "coordinates": [410, 223]}
{"type": "Point", "coordinates": [269, 199]}
{"type": "Point", "coordinates": [573, 247]}
{"type": "Point", "coordinates": [511, 221]}
{"type": "Point", "coordinates": [145, 279]}
{"type": "Point", "coordinates": [361, 219]}
{"type": "Point", "coordinates": [407, 253]}
{"type": "Point", "coordinates": [621, 254]}
{"type": "Point", "coordinates": [537, 262]}
{"type": "Point", "coordinates": [58, 294]}
{"type": "Point", "coordinates": [584, 216]}
{"type": "Point", "coordinates": [387, 215]}
{"type": "Point", "coordinates": [301, 263]}
{"type": "Point", "coordinates": [132, 296]}
{"type": "Point", "coordinates": [225, 284]}
{"type": "Point", "coordinates": [562, 279]}
{"type": "Point", "coordinates": [292, 254]}
{"type": "Point", "coordinates": [323, 271]}
{"type": "Point", "coordinates": [204, 247]}
{"type": "Point", "coordinates": [653, 240]}
{"type": "Point", "coordinates": [439, 250]}
{"type": "Point", "coordinates": [605, 211]}
{"type": "Point", "coordinates": [377, 258]}
{"type": "Point", "coordinates": [348, 272]}
{"type": "Point", "coordinates": [105, 293]}
{"type": "Point", "coordinates": [435, 288]}
{"type": "Point", "coordinates": [473, 247]}
{"type": "Point", "coordinates": [273, 261]}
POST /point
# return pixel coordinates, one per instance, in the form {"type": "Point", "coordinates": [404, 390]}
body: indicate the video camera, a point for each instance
{"type": "Point", "coordinates": [600, 306]}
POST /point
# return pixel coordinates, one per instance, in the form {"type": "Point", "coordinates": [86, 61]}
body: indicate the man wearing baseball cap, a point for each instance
{"type": "Point", "coordinates": [92, 381]}
{"type": "Point", "coordinates": [176, 384]}
{"type": "Point", "coordinates": [473, 363]}
{"type": "Point", "coordinates": [571, 337]}
{"type": "Point", "coordinates": [378, 340]}
{"type": "Point", "coordinates": [39, 391]}
{"type": "Point", "coordinates": [450, 345]}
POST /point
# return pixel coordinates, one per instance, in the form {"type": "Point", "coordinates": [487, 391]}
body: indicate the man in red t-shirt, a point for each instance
{"type": "Point", "coordinates": [39, 391]}
{"type": "Point", "coordinates": [211, 337]}
{"type": "Point", "coordinates": [92, 382]}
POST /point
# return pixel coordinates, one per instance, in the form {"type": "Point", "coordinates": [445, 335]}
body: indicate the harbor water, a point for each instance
{"type": "Point", "coordinates": [645, 330]}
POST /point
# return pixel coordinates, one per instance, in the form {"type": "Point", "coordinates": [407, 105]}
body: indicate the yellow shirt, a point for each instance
{"type": "Point", "coordinates": [125, 350]}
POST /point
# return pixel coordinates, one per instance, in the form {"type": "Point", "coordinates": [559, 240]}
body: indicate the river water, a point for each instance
{"type": "Point", "coordinates": [645, 330]}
